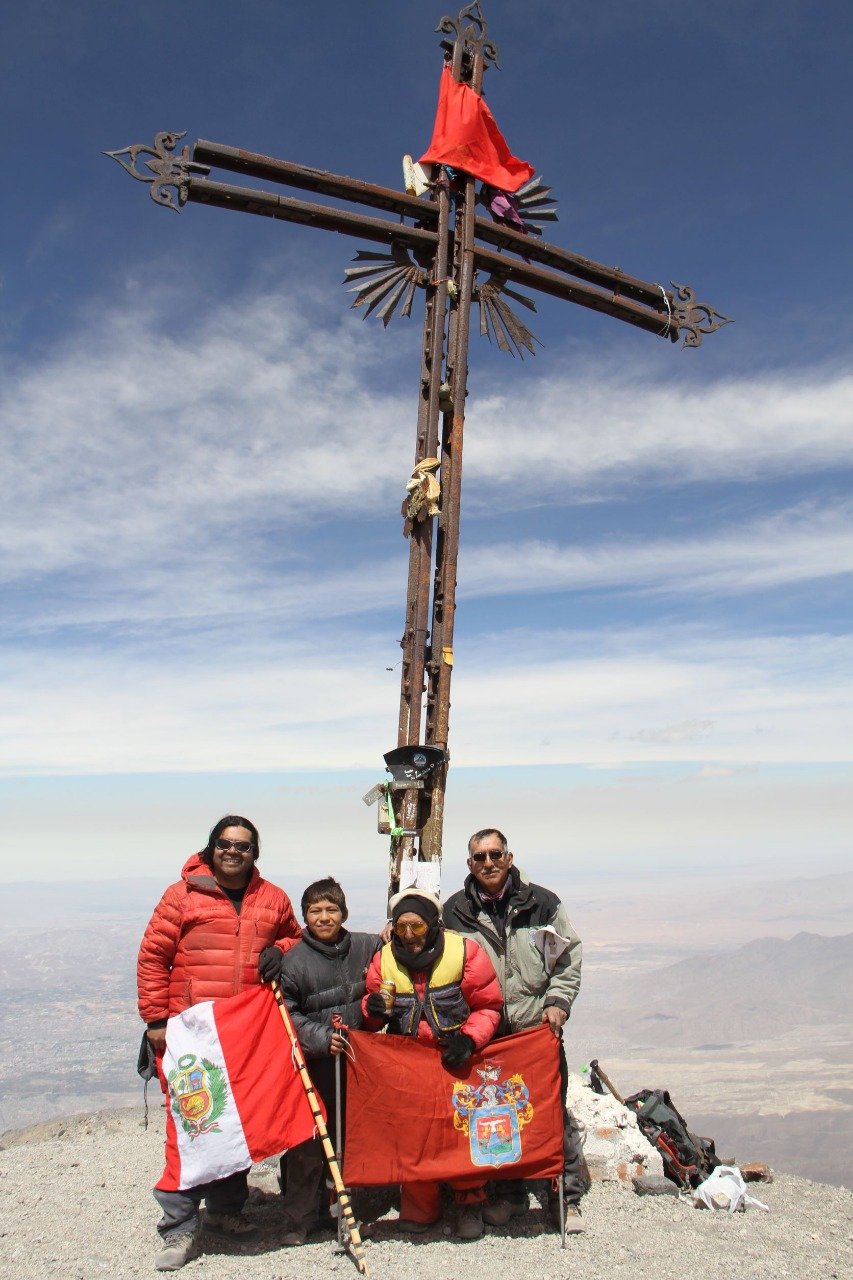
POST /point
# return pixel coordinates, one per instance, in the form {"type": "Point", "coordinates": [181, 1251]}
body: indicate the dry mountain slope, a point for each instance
{"type": "Point", "coordinates": [76, 1204]}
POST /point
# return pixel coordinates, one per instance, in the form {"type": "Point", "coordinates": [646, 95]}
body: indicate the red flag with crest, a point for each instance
{"type": "Point", "coordinates": [410, 1119]}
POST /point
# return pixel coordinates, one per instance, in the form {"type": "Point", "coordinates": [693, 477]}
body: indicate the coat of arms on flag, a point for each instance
{"type": "Point", "coordinates": [492, 1115]}
{"type": "Point", "coordinates": [198, 1093]}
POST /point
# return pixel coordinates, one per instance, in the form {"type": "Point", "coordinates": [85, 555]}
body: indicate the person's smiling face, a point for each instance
{"type": "Point", "coordinates": [489, 864]}
{"type": "Point", "coordinates": [233, 857]}
{"type": "Point", "coordinates": [324, 920]}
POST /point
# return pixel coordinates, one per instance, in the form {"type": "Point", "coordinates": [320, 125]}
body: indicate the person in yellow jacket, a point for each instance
{"type": "Point", "coordinates": [446, 992]}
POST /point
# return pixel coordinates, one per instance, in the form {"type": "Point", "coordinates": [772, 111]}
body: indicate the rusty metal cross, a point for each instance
{"type": "Point", "coordinates": [437, 243]}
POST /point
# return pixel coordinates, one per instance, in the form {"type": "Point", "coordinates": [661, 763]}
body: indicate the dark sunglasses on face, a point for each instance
{"type": "Point", "coordinates": [239, 846]}
{"type": "Point", "coordinates": [496, 855]}
{"type": "Point", "coordinates": [418, 928]}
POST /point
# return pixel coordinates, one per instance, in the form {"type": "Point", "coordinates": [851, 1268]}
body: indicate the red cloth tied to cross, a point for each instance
{"type": "Point", "coordinates": [410, 1119]}
{"type": "Point", "coordinates": [466, 136]}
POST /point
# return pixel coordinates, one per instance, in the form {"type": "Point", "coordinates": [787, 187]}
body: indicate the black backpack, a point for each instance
{"type": "Point", "coordinates": [687, 1158]}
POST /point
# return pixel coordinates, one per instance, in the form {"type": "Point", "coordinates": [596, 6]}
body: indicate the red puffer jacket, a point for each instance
{"type": "Point", "coordinates": [196, 947]}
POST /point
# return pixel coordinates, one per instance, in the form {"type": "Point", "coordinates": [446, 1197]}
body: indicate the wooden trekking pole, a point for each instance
{"type": "Point", "coordinates": [341, 1192]}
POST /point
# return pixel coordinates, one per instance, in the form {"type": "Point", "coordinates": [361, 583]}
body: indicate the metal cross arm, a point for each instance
{"type": "Point", "coordinates": [175, 180]}
{"type": "Point", "coordinates": [459, 241]}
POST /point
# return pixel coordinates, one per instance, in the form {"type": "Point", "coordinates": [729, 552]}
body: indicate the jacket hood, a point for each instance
{"type": "Point", "coordinates": [196, 873]}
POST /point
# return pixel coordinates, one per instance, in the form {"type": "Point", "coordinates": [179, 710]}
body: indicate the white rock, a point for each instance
{"type": "Point", "coordinates": [615, 1148]}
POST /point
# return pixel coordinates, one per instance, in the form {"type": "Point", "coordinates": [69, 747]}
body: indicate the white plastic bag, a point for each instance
{"type": "Point", "coordinates": [725, 1189]}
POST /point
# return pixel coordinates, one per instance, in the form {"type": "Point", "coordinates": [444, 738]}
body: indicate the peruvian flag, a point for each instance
{"type": "Point", "coordinates": [411, 1119]}
{"type": "Point", "coordinates": [234, 1094]}
{"type": "Point", "coordinates": [466, 136]}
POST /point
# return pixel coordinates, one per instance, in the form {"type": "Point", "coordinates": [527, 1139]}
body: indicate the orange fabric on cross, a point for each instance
{"type": "Point", "coordinates": [403, 1124]}
{"type": "Point", "coordinates": [466, 136]}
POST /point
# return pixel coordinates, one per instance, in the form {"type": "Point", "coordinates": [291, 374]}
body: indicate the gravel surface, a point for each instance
{"type": "Point", "coordinates": [75, 1203]}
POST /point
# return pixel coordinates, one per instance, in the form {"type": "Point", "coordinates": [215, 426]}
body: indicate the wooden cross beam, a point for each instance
{"type": "Point", "coordinates": [437, 243]}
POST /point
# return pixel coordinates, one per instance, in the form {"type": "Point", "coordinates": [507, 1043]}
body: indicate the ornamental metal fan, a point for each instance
{"type": "Point", "coordinates": [498, 319]}
{"type": "Point", "coordinates": [384, 280]}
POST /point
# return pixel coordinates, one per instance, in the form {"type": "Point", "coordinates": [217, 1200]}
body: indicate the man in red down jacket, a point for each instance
{"type": "Point", "coordinates": [219, 930]}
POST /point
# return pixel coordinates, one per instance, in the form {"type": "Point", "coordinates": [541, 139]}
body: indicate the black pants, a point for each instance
{"type": "Point", "coordinates": [303, 1168]}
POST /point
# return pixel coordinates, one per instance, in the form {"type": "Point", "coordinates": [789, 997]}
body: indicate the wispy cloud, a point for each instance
{"type": "Point", "coordinates": [802, 544]}
{"type": "Point", "coordinates": [130, 445]}
{"type": "Point", "coordinates": [190, 528]}
{"type": "Point", "coordinates": [606, 424]}
{"type": "Point", "coordinates": [519, 698]}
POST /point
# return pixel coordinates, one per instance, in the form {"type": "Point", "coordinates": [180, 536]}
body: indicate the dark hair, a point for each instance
{"type": "Point", "coordinates": [230, 820]}
{"type": "Point", "coordinates": [324, 890]}
{"type": "Point", "coordinates": [488, 831]}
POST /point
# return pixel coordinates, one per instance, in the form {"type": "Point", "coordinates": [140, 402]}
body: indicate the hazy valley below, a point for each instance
{"type": "Point", "coordinates": [737, 1003]}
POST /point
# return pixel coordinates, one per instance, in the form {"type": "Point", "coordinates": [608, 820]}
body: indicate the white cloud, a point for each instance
{"type": "Point", "coordinates": [195, 506]}
{"type": "Point", "coordinates": [519, 698]}
{"type": "Point", "coordinates": [684, 731]}
{"type": "Point", "coordinates": [798, 545]}
{"type": "Point", "coordinates": [131, 445]}
{"type": "Point", "coordinates": [606, 424]}
{"type": "Point", "coordinates": [128, 446]}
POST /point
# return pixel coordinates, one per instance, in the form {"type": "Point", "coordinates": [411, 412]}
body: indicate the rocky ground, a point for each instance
{"type": "Point", "coordinates": [75, 1203]}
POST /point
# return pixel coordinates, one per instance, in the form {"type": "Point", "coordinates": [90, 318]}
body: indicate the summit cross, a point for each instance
{"type": "Point", "coordinates": [438, 243]}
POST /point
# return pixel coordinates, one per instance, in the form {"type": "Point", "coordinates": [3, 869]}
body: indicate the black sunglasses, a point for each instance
{"type": "Point", "coordinates": [239, 846]}
{"type": "Point", "coordinates": [496, 855]}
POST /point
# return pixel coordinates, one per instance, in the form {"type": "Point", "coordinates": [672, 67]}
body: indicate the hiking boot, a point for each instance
{"type": "Point", "coordinates": [574, 1222]}
{"type": "Point", "coordinates": [413, 1228]}
{"type": "Point", "coordinates": [231, 1226]}
{"type": "Point", "coordinates": [293, 1238]}
{"type": "Point", "coordinates": [499, 1212]}
{"type": "Point", "coordinates": [469, 1224]}
{"type": "Point", "coordinates": [176, 1250]}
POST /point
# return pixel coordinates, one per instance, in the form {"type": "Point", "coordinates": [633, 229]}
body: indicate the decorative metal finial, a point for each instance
{"type": "Point", "coordinates": [168, 174]}
{"type": "Point", "coordinates": [473, 32]}
{"type": "Point", "coordinates": [697, 318]}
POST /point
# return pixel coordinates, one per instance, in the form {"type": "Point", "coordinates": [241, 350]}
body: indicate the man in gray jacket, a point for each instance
{"type": "Point", "coordinates": [526, 932]}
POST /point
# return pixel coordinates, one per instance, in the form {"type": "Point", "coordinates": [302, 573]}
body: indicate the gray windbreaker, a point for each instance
{"type": "Point", "coordinates": [526, 983]}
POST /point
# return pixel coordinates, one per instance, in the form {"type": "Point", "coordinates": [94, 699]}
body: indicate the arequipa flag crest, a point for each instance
{"type": "Point", "coordinates": [234, 1094]}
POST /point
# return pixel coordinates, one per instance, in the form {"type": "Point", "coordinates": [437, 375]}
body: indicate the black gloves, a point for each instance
{"type": "Point", "coordinates": [269, 964]}
{"type": "Point", "coordinates": [457, 1050]}
{"type": "Point", "coordinates": [374, 1005]}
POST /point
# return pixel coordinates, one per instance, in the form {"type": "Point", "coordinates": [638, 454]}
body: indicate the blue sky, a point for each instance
{"type": "Point", "coordinates": [206, 450]}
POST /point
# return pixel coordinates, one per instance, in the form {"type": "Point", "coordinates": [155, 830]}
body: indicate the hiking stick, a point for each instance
{"type": "Point", "coordinates": [338, 1026]}
{"type": "Point", "coordinates": [328, 1150]}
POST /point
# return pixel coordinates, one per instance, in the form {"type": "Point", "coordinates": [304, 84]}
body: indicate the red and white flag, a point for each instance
{"type": "Point", "coordinates": [234, 1096]}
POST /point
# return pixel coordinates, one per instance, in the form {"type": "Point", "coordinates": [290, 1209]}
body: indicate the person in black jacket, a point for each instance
{"type": "Point", "coordinates": [321, 976]}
